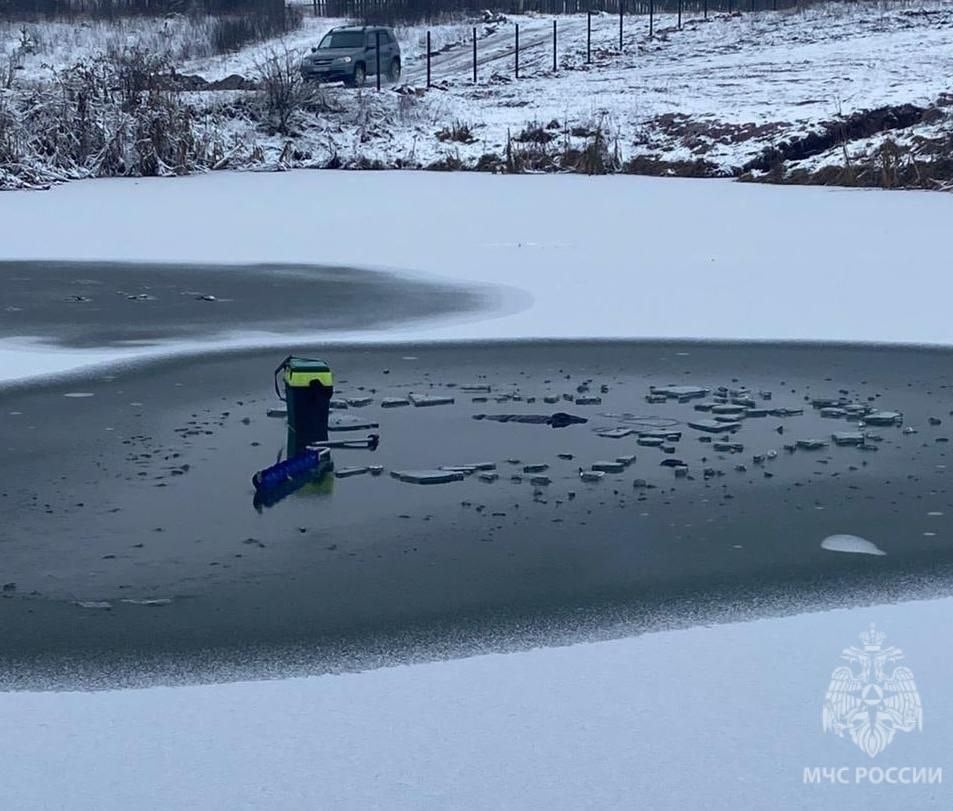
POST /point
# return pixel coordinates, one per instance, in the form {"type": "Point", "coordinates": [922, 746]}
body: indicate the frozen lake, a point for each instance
{"type": "Point", "coordinates": [725, 716]}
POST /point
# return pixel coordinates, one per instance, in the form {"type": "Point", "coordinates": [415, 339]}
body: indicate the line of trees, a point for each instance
{"type": "Point", "coordinates": [105, 9]}
{"type": "Point", "coordinates": [406, 11]}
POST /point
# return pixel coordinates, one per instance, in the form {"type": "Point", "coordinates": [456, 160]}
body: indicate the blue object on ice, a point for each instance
{"type": "Point", "coordinates": [302, 464]}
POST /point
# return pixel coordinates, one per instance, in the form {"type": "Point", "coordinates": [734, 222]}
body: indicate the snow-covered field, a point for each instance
{"type": "Point", "coordinates": [708, 99]}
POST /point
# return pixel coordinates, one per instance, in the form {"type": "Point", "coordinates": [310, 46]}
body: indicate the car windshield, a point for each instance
{"type": "Point", "coordinates": [343, 39]}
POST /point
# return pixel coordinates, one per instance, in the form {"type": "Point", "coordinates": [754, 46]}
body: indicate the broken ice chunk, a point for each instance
{"type": "Point", "coordinates": [609, 467]}
{"type": "Point", "coordinates": [345, 472]}
{"type": "Point", "coordinates": [615, 433]}
{"type": "Point", "coordinates": [714, 426]}
{"type": "Point", "coordinates": [679, 392]}
{"type": "Point", "coordinates": [427, 476]}
{"type": "Point", "coordinates": [348, 422]}
{"type": "Point", "coordinates": [884, 418]}
{"type": "Point", "coordinates": [848, 438]}
{"type": "Point", "coordinates": [421, 400]}
{"type": "Point", "coordinates": [850, 543]}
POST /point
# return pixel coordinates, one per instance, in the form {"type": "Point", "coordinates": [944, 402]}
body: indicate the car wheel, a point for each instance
{"type": "Point", "coordinates": [360, 74]}
{"type": "Point", "coordinates": [394, 73]}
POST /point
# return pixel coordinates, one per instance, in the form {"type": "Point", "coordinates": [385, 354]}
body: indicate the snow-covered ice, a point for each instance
{"type": "Point", "coordinates": [723, 717]}
{"type": "Point", "coordinates": [608, 257]}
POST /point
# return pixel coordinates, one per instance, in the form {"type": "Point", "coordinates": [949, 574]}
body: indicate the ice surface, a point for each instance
{"type": "Point", "coordinates": [721, 717]}
{"type": "Point", "coordinates": [562, 257]}
{"type": "Point", "coordinates": [714, 717]}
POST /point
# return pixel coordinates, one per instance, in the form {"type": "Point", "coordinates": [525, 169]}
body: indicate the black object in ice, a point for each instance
{"type": "Point", "coordinates": [558, 420]}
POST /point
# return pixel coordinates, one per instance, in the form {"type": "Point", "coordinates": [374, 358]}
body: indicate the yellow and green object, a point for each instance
{"type": "Point", "coordinates": [308, 386]}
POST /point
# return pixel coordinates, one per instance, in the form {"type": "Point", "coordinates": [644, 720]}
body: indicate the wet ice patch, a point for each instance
{"type": "Point", "coordinates": [850, 543]}
{"type": "Point", "coordinates": [78, 394]}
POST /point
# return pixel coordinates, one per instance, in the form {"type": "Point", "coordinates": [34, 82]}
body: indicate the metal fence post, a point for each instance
{"type": "Point", "coordinates": [679, 15]}
{"type": "Point", "coordinates": [474, 55]}
{"type": "Point", "coordinates": [706, 9]}
{"type": "Point", "coordinates": [428, 58]}
{"type": "Point", "coordinates": [554, 46]}
{"type": "Point", "coordinates": [651, 18]}
{"type": "Point", "coordinates": [377, 56]}
{"type": "Point", "coordinates": [517, 51]}
{"type": "Point", "coordinates": [621, 9]}
{"type": "Point", "coordinates": [588, 37]}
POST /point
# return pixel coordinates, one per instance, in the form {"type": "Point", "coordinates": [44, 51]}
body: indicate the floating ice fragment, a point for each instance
{"type": "Point", "coordinates": [427, 476]}
{"type": "Point", "coordinates": [850, 543]}
{"type": "Point", "coordinates": [420, 400]}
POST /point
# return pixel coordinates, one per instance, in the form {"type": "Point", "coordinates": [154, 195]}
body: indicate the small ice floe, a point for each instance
{"type": "Point", "coordinates": [609, 466]}
{"type": "Point", "coordinates": [427, 476]}
{"type": "Point", "coordinates": [346, 472]}
{"type": "Point", "coordinates": [884, 418]}
{"type": "Point", "coordinates": [615, 433]}
{"type": "Point", "coordinates": [423, 400]}
{"type": "Point", "coordinates": [850, 543]}
{"type": "Point", "coordinates": [346, 422]}
{"type": "Point", "coordinates": [102, 604]}
{"type": "Point", "coordinates": [153, 602]}
{"type": "Point", "coordinates": [78, 394]}
{"type": "Point", "coordinates": [679, 392]}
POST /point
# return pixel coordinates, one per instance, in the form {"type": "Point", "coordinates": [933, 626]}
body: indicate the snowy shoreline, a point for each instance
{"type": "Point", "coordinates": [837, 94]}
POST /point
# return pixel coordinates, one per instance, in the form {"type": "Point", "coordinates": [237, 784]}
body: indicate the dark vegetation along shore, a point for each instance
{"type": "Point", "coordinates": [134, 548]}
{"type": "Point", "coordinates": [138, 109]}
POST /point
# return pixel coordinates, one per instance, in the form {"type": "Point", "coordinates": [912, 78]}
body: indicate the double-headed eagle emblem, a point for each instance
{"type": "Point", "coordinates": [872, 699]}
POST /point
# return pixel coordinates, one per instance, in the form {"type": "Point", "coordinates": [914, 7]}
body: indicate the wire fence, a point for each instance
{"type": "Point", "coordinates": [648, 14]}
{"type": "Point", "coordinates": [395, 12]}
